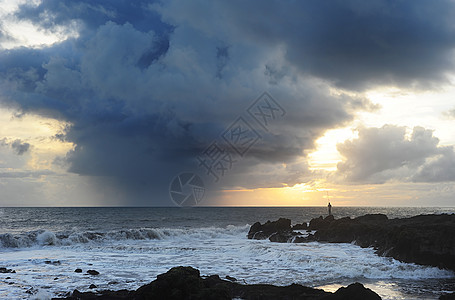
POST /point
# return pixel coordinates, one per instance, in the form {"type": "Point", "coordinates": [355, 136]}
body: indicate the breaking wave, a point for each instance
{"type": "Point", "coordinates": [44, 237]}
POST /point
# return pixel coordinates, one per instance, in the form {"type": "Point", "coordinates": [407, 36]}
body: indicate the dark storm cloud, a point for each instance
{"type": "Point", "coordinates": [355, 44]}
{"type": "Point", "coordinates": [222, 54]}
{"type": "Point", "coordinates": [146, 88]}
{"type": "Point", "coordinates": [19, 147]}
{"type": "Point", "coordinates": [51, 13]}
{"type": "Point", "coordinates": [384, 154]}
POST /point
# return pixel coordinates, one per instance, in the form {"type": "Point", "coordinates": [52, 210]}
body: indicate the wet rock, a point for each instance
{"type": "Point", "coordinates": [93, 272]}
{"type": "Point", "coordinates": [282, 237]}
{"type": "Point", "coordinates": [78, 270]}
{"type": "Point", "coordinates": [254, 230]}
{"type": "Point", "coordinates": [177, 283]}
{"type": "Point", "coordinates": [230, 278]}
{"type": "Point", "coordinates": [355, 291]}
{"type": "Point", "coordinates": [32, 291]}
{"type": "Point", "coordinates": [272, 292]}
{"type": "Point", "coordinates": [67, 294]}
{"type": "Point", "coordinates": [50, 262]}
{"type": "Point", "coordinates": [92, 286]}
{"type": "Point", "coordinates": [303, 239]}
{"type": "Point", "coordinates": [5, 270]}
{"type": "Point", "coordinates": [260, 231]}
{"type": "Point", "coordinates": [302, 226]}
{"type": "Point", "coordinates": [447, 297]}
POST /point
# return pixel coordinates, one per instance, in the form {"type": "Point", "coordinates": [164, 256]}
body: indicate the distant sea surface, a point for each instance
{"type": "Point", "coordinates": [130, 246]}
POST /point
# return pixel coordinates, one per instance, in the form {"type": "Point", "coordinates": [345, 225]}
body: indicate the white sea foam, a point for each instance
{"type": "Point", "coordinates": [41, 295]}
{"type": "Point", "coordinates": [46, 238]}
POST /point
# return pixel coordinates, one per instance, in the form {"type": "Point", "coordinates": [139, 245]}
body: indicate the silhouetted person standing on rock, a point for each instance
{"type": "Point", "coordinates": [330, 209]}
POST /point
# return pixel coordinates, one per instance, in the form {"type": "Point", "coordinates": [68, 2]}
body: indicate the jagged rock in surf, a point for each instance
{"type": "Point", "coordinates": [93, 272]}
{"type": "Point", "coordinates": [354, 291]}
{"type": "Point", "coordinates": [260, 231]}
{"type": "Point", "coordinates": [6, 270]}
{"type": "Point", "coordinates": [447, 297]}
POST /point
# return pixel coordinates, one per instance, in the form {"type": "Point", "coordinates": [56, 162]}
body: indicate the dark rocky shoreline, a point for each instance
{"type": "Point", "coordinates": [424, 239]}
{"type": "Point", "coordinates": [185, 283]}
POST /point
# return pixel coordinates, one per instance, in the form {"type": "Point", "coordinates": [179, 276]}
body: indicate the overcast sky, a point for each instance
{"type": "Point", "coordinates": [106, 102]}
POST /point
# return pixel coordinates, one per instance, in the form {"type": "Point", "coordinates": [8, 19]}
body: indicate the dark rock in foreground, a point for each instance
{"type": "Point", "coordinates": [355, 291]}
{"type": "Point", "coordinates": [93, 272]}
{"type": "Point", "coordinates": [5, 270]}
{"type": "Point", "coordinates": [424, 239]}
{"type": "Point", "coordinates": [448, 297]}
{"type": "Point", "coordinates": [183, 283]}
{"type": "Point", "coordinates": [230, 278]}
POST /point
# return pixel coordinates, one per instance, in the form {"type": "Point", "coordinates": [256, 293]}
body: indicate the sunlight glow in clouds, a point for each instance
{"type": "Point", "coordinates": [326, 156]}
{"type": "Point", "coordinates": [397, 106]}
{"type": "Point", "coordinates": [408, 108]}
{"type": "Point", "coordinates": [39, 133]}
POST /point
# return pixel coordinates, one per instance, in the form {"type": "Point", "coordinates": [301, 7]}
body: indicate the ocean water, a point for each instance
{"type": "Point", "coordinates": [130, 246]}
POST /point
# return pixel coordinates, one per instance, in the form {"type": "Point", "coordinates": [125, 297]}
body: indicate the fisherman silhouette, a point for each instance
{"type": "Point", "coordinates": [330, 209]}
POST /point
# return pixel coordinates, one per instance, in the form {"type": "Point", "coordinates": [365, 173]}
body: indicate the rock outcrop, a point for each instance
{"type": "Point", "coordinates": [260, 231]}
{"type": "Point", "coordinates": [6, 270]}
{"type": "Point", "coordinates": [279, 231]}
{"type": "Point", "coordinates": [93, 272]}
{"type": "Point", "coordinates": [185, 283]}
{"type": "Point", "coordinates": [424, 239]}
{"type": "Point", "coordinates": [450, 296]}
{"type": "Point", "coordinates": [355, 291]}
